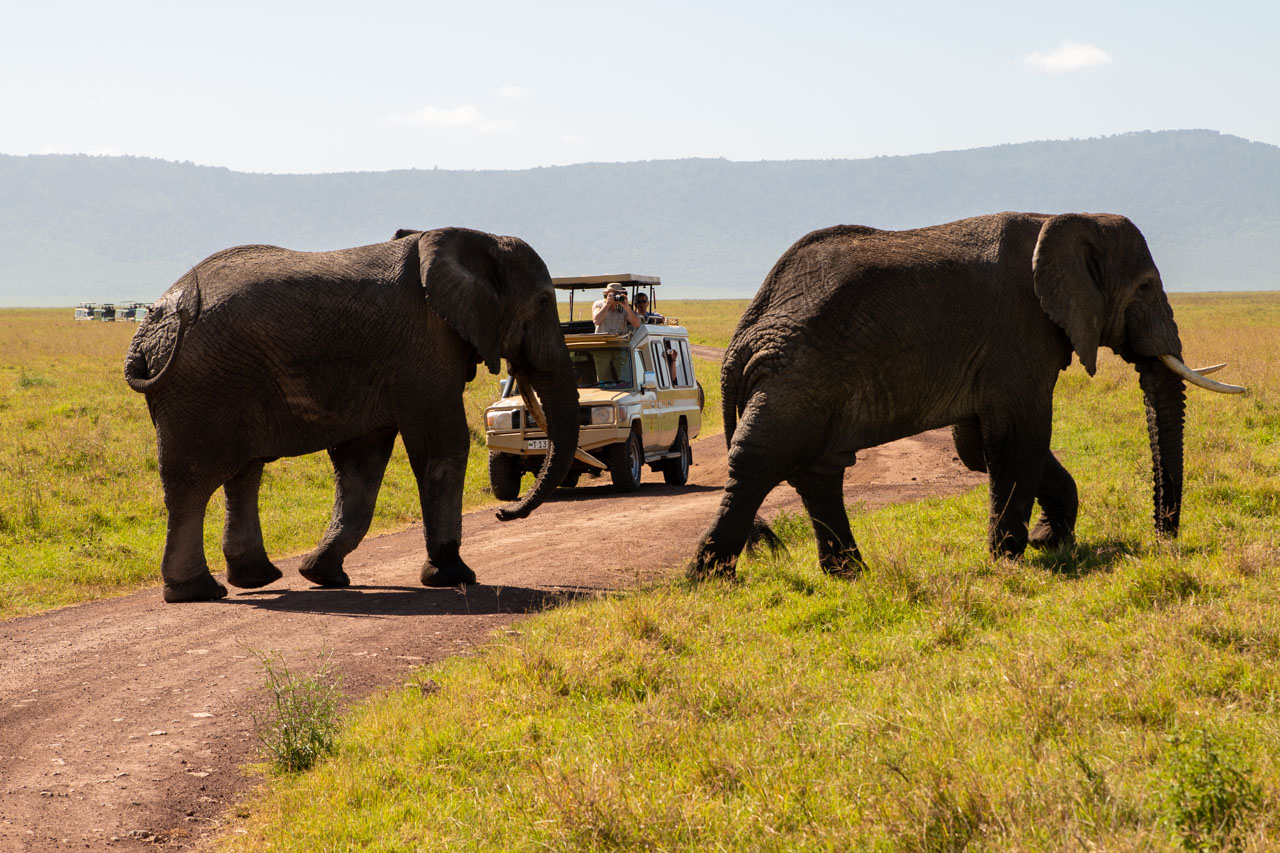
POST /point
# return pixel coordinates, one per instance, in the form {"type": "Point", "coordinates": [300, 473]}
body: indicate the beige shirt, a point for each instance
{"type": "Point", "coordinates": [612, 323]}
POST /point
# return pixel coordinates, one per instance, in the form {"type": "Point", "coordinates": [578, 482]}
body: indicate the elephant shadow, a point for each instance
{"type": "Point", "coordinates": [386, 601]}
{"type": "Point", "coordinates": [1081, 559]}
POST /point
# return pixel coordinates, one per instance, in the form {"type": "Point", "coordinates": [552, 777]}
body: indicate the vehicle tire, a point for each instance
{"type": "Point", "coordinates": [570, 480]}
{"type": "Point", "coordinates": [504, 476]}
{"type": "Point", "coordinates": [702, 398]}
{"type": "Point", "coordinates": [676, 471]}
{"type": "Point", "coordinates": [626, 463]}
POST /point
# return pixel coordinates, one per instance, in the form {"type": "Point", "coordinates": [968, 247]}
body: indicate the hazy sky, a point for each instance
{"type": "Point", "coordinates": [321, 87]}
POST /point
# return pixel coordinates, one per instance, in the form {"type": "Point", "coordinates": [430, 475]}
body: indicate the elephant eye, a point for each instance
{"type": "Point", "coordinates": [1144, 288]}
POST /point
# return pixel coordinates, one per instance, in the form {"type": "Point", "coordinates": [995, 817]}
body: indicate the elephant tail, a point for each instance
{"type": "Point", "coordinates": [150, 337]}
{"type": "Point", "coordinates": [730, 383]}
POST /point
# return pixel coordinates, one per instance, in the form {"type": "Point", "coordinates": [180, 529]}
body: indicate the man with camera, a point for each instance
{"type": "Point", "coordinates": [611, 314]}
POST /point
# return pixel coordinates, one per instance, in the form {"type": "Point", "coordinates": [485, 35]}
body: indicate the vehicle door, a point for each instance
{"type": "Point", "coordinates": [648, 396]}
{"type": "Point", "coordinates": [685, 402]}
{"type": "Point", "coordinates": [665, 434]}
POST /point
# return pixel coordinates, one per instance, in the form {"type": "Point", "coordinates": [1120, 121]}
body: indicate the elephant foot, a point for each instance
{"type": "Point", "coordinates": [847, 567]}
{"type": "Point", "coordinates": [1048, 535]}
{"type": "Point", "coordinates": [707, 565]}
{"type": "Point", "coordinates": [445, 567]}
{"type": "Point", "coordinates": [452, 574]}
{"type": "Point", "coordinates": [252, 573]}
{"type": "Point", "coordinates": [323, 570]}
{"type": "Point", "coordinates": [200, 588]}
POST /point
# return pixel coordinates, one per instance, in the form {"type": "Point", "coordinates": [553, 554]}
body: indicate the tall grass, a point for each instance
{"type": "Point", "coordinates": [1119, 694]}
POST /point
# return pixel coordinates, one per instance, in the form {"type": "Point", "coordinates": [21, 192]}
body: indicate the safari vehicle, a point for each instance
{"type": "Point", "coordinates": [84, 311]}
{"type": "Point", "coordinates": [640, 403]}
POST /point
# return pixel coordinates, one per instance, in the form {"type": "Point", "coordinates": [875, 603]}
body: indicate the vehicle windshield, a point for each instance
{"type": "Point", "coordinates": [608, 368]}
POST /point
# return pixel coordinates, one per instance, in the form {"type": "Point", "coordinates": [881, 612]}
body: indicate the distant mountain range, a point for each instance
{"type": "Point", "coordinates": [78, 227]}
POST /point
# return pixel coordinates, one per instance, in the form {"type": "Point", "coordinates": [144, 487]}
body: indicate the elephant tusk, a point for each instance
{"type": "Point", "coordinates": [1194, 378]}
{"type": "Point", "coordinates": [535, 409]}
{"type": "Point", "coordinates": [1213, 368]}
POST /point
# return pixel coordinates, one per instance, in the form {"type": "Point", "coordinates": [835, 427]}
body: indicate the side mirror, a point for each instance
{"type": "Point", "coordinates": [650, 381]}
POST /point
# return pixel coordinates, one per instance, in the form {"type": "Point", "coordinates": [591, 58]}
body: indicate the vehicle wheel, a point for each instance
{"type": "Point", "coordinates": [626, 461]}
{"type": "Point", "coordinates": [702, 398]}
{"type": "Point", "coordinates": [504, 476]}
{"type": "Point", "coordinates": [570, 480]}
{"type": "Point", "coordinates": [676, 471]}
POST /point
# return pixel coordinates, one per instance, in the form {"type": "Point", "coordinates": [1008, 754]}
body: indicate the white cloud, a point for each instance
{"type": "Point", "coordinates": [575, 139]}
{"type": "Point", "coordinates": [465, 117]}
{"type": "Point", "coordinates": [514, 91]}
{"type": "Point", "coordinates": [1069, 56]}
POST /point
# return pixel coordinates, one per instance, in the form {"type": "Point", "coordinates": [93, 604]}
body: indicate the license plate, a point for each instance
{"type": "Point", "coordinates": [538, 443]}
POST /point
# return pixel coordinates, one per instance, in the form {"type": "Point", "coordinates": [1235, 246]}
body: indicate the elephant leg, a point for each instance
{"type": "Point", "coordinates": [1015, 454]}
{"type": "Point", "coordinates": [247, 563]}
{"type": "Point", "coordinates": [358, 466]}
{"type": "Point", "coordinates": [183, 567]}
{"type": "Point", "coordinates": [822, 491]}
{"type": "Point", "coordinates": [753, 473]}
{"type": "Point", "coordinates": [1059, 503]}
{"type": "Point", "coordinates": [438, 455]}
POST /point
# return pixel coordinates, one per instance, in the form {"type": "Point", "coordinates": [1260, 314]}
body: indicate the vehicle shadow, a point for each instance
{"type": "Point", "coordinates": [606, 490]}
{"type": "Point", "coordinates": [383, 601]}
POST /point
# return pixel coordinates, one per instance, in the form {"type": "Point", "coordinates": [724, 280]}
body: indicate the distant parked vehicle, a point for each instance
{"type": "Point", "coordinates": [135, 311]}
{"type": "Point", "coordinates": [113, 312]}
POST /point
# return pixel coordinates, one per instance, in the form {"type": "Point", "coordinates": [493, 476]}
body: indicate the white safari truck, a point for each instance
{"type": "Point", "coordinates": [640, 403]}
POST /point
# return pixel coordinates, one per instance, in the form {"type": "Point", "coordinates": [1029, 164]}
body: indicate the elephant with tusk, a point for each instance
{"type": "Point", "coordinates": [860, 336]}
{"type": "Point", "coordinates": [260, 352]}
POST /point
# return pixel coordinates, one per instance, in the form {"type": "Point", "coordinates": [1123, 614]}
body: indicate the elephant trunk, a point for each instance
{"type": "Point", "coordinates": [1165, 397]}
{"type": "Point", "coordinates": [557, 401]}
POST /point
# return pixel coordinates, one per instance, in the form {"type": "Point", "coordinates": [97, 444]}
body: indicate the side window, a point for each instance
{"type": "Point", "coordinates": [684, 368]}
{"type": "Point", "coordinates": [660, 364]}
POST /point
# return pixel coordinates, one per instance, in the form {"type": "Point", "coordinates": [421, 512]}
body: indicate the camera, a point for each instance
{"type": "Point", "coordinates": [619, 297]}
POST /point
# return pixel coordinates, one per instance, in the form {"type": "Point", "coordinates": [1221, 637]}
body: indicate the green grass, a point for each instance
{"type": "Point", "coordinates": [1121, 694]}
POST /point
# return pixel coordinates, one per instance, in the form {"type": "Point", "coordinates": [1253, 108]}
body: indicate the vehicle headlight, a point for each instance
{"type": "Point", "coordinates": [601, 415]}
{"type": "Point", "coordinates": [500, 419]}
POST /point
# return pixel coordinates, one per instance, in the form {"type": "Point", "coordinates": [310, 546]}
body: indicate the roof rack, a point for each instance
{"type": "Point", "coordinates": [587, 282]}
{"type": "Point", "coordinates": [590, 282]}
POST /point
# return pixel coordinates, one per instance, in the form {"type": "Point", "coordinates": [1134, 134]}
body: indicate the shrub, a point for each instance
{"type": "Point", "coordinates": [1210, 795]}
{"type": "Point", "coordinates": [301, 724]}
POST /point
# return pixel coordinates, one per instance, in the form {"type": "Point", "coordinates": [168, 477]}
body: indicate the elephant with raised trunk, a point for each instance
{"type": "Point", "coordinates": [859, 336]}
{"type": "Point", "coordinates": [260, 352]}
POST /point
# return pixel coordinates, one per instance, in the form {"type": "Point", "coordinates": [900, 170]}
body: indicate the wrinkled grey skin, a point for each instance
{"type": "Point", "coordinates": [260, 352]}
{"type": "Point", "coordinates": [858, 337]}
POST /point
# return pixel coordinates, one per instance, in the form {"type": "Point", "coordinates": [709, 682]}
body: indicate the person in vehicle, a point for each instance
{"type": "Point", "coordinates": [643, 312]}
{"type": "Point", "coordinates": [611, 314]}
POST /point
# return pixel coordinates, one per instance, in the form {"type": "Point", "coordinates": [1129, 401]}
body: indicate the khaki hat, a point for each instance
{"type": "Point", "coordinates": [614, 287]}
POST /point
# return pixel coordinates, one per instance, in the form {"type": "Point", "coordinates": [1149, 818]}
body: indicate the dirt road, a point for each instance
{"type": "Point", "coordinates": [125, 722]}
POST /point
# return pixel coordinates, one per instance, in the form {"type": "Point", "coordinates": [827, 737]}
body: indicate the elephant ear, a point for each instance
{"type": "Point", "coordinates": [1067, 272]}
{"type": "Point", "coordinates": [459, 272]}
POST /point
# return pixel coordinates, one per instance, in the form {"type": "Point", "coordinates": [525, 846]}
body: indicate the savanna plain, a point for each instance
{"type": "Point", "coordinates": [1120, 694]}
